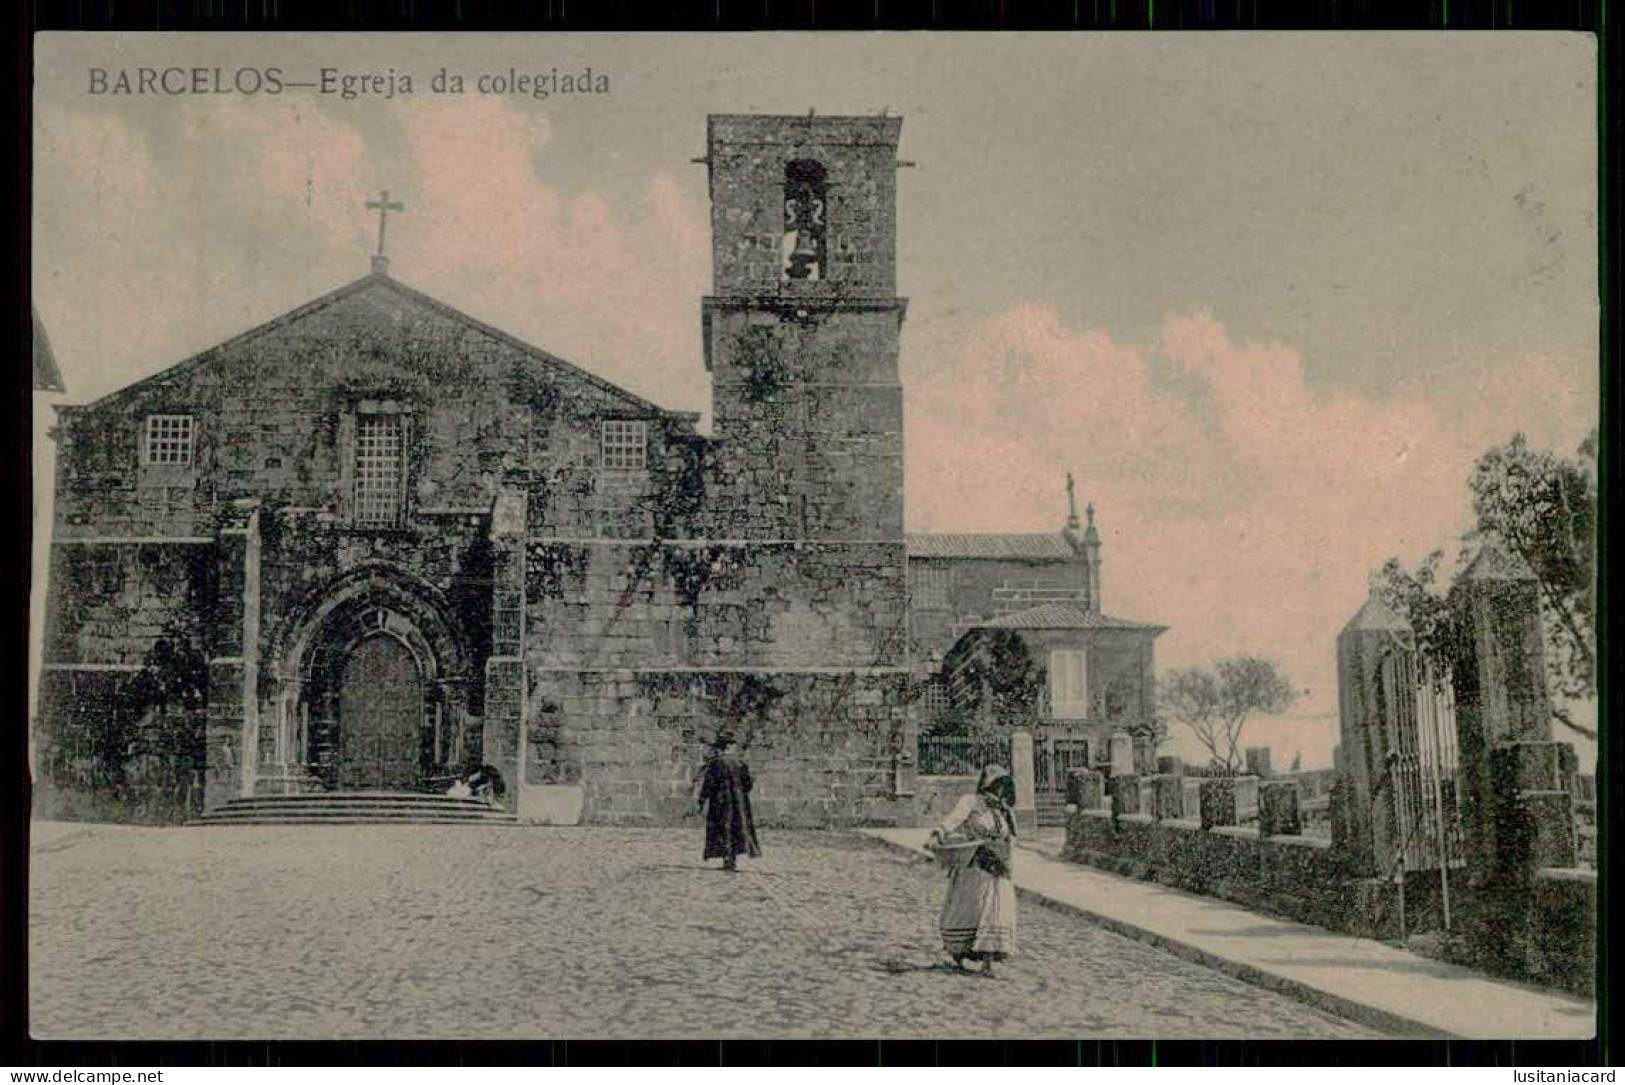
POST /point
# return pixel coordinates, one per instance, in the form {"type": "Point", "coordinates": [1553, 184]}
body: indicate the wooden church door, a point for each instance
{"type": "Point", "coordinates": [380, 717]}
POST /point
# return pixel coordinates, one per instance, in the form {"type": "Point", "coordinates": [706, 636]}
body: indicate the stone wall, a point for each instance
{"type": "Point", "coordinates": [747, 157]}
{"type": "Point", "coordinates": [274, 415]}
{"type": "Point", "coordinates": [808, 423]}
{"type": "Point", "coordinates": [1182, 832]}
{"type": "Point", "coordinates": [101, 750]}
{"type": "Point", "coordinates": [110, 603]}
{"type": "Point", "coordinates": [1296, 877]}
{"type": "Point", "coordinates": [820, 746]}
{"type": "Point", "coordinates": [637, 655]}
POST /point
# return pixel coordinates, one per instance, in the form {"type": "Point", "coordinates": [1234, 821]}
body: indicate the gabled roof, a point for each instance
{"type": "Point", "coordinates": [376, 280]}
{"type": "Point", "coordinates": [1065, 616]}
{"type": "Point", "coordinates": [1376, 615]}
{"type": "Point", "coordinates": [1040, 547]}
{"type": "Point", "coordinates": [47, 377]}
{"type": "Point", "coordinates": [1495, 562]}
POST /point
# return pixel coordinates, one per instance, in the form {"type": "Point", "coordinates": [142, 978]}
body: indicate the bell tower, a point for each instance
{"type": "Point", "coordinates": [802, 330]}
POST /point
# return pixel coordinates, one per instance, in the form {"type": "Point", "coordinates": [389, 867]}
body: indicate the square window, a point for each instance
{"type": "Point", "coordinates": [378, 462]}
{"type": "Point", "coordinates": [624, 445]}
{"type": "Point", "coordinates": [168, 440]}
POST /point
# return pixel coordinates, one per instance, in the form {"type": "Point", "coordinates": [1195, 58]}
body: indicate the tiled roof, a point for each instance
{"type": "Point", "coordinates": [1046, 547]}
{"type": "Point", "coordinates": [1064, 616]}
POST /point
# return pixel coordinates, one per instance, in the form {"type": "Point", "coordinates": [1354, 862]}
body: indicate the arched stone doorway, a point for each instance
{"type": "Point", "coordinates": [370, 689]}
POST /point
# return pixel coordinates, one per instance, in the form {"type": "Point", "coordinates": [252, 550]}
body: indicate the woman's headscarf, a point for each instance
{"type": "Point", "coordinates": [995, 780]}
{"type": "Point", "coordinates": [990, 781]}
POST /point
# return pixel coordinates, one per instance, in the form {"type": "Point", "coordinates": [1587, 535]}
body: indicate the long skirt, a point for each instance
{"type": "Point", "coordinates": [979, 917]}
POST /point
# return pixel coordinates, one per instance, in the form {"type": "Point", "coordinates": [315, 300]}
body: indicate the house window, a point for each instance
{"type": "Point", "coordinates": [168, 440]}
{"type": "Point", "coordinates": [624, 445]}
{"type": "Point", "coordinates": [932, 585]}
{"type": "Point", "coordinates": [378, 462]}
{"type": "Point", "coordinates": [1068, 684]}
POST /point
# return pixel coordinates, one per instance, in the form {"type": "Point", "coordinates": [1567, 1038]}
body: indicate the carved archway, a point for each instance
{"type": "Point", "coordinates": [306, 690]}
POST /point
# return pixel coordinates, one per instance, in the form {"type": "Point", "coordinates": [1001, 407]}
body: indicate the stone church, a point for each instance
{"type": "Point", "coordinates": [374, 542]}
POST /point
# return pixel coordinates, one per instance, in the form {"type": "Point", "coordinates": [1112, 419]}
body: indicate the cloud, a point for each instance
{"type": "Point", "coordinates": [1238, 505]}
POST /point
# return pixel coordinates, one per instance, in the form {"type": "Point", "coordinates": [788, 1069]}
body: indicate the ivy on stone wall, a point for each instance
{"type": "Point", "coordinates": [553, 570]}
{"type": "Point", "coordinates": [759, 356]}
{"type": "Point", "coordinates": [693, 570]}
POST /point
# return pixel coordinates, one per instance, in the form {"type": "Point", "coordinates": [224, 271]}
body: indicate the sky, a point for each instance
{"type": "Point", "coordinates": [1267, 296]}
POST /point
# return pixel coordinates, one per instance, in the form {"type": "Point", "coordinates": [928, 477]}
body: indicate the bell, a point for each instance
{"type": "Point", "coordinates": [804, 257]}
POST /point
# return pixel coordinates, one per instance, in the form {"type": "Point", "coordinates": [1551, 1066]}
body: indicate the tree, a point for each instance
{"type": "Point", "coordinates": [1542, 507]}
{"type": "Point", "coordinates": [1216, 704]}
{"type": "Point", "coordinates": [1421, 600]}
{"type": "Point", "coordinates": [1002, 685]}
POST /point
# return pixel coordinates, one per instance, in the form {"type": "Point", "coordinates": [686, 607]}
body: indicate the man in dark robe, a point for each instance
{"type": "Point", "coordinates": [730, 831]}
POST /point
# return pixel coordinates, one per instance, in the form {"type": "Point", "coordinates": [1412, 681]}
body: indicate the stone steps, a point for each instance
{"type": "Point", "coordinates": [1051, 806]}
{"type": "Point", "coordinates": [353, 807]}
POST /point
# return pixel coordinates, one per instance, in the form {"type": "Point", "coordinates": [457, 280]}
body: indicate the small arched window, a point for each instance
{"type": "Point", "coordinates": [804, 206]}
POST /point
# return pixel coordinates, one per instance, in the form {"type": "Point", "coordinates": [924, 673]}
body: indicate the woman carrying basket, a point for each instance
{"type": "Point", "coordinates": [978, 920]}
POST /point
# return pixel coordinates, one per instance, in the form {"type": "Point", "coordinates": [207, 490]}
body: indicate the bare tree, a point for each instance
{"type": "Point", "coordinates": [1217, 703]}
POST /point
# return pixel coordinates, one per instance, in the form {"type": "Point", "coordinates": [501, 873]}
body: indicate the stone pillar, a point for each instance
{"type": "Point", "coordinates": [1218, 802]}
{"type": "Point", "coordinates": [1278, 813]}
{"type": "Point", "coordinates": [1125, 789]}
{"type": "Point", "coordinates": [505, 692]}
{"type": "Point", "coordinates": [1085, 789]}
{"type": "Point", "coordinates": [1021, 769]}
{"type": "Point", "coordinates": [1368, 718]}
{"type": "Point", "coordinates": [1516, 802]}
{"type": "Point", "coordinates": [1246, 788]}
{"type": "Point", "coordinates": [1190, 788]}
{"type": "Point", "coordinates": [1500, 682]}
{"type": "Point", "coordinates": [1121, 745]}
{"type": "Point", "coordinates": [1167, 796]}
{"type": "Point", "coordinates": [232, 731]}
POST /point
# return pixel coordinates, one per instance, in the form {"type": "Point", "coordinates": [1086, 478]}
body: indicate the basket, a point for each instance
{"type": "Point", "coordinates": [956, 854]}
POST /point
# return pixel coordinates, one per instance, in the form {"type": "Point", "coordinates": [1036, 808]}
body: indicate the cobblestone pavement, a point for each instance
{"type": "Point", "coordinates": [447, 931]}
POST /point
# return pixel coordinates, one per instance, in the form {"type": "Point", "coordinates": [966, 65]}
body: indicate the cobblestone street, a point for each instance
{"type": "Point", "coordinates": [486, 932]}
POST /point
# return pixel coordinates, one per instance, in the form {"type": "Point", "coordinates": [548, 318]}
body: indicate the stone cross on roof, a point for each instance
{"type": "Point", "coordinates": [383, 205]}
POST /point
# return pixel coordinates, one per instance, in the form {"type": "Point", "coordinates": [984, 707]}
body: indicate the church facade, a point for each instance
{"type": "Point", "coordinates": [374, 543]}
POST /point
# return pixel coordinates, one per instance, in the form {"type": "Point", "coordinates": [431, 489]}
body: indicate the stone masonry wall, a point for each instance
{"type": "Point", "coordinates": [747, 156]}
{"type": "Point", "coordinates": [985, 588]}
{"type": "Point", "coordinates": [808, 426]}
{"type": "Point", "coordinates": [274, 416]}
{"type": "Point", "coordinates": [819, 745]}
{"type": "Point", "coordinates": [637, 654]}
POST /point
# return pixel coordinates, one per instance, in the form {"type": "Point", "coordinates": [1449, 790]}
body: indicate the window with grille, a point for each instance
{"type": "Point", "coordinates": [624, 445]}
{"type": "Point", "coordinates": [933, 700]}
{"type": "Point", "coordinates": [378, 453]}
{"type": "Point", "coordinates": [932, 584]}
{"type": "Point", "coordinates": [169, 440]}
{"type": "Point", "coordinates": [1068, 684]}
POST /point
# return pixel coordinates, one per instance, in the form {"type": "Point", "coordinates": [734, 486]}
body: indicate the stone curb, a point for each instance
{"type": "Point", "coordinates": [1358, 1012]}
